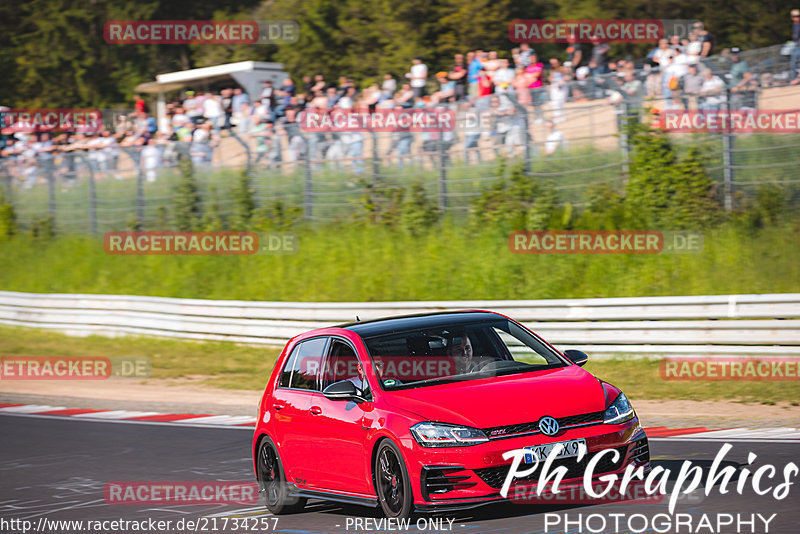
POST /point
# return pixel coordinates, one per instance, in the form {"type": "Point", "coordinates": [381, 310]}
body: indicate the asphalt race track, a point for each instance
{"type": "Point", "coordinates": [57, 469]}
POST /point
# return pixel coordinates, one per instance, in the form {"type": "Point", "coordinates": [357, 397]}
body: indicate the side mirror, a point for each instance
{"type": "Point", "coordinates": [577, 357]}
{"type": "Point", "coordinates": [344, 390]}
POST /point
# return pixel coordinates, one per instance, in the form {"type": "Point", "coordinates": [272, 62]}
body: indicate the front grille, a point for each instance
{"type": "Point", "coordinates": [581, 419]}
{"type": "Point", "coordinates": [641, 451]}
{"type": "Point", "coordinates": [497, 432]}
{"type": "Point", "coordinates": [495, 476]}
{"type": "Point", "coordinates": [436, 481]}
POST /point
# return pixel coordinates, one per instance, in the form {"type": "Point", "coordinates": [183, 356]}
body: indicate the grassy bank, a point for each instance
{"type": "Point", "coordinates": [352, 263]}
{"type": "Point", "coordinates": [233, 366]}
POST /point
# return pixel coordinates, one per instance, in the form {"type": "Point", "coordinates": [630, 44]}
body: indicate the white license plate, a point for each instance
{"type": "Point", "coordinates": [540, 452]}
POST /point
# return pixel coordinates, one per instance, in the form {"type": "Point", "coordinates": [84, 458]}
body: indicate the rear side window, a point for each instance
{"type": "Point", "coordinates": [302, 368]}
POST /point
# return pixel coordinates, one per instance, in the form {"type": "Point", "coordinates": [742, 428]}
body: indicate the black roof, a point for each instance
{"type": "Point", "coordinates": [388, 325]}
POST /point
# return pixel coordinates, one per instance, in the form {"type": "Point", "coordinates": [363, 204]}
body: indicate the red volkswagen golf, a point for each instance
{"type": "Point", "coordinates": [415, 414]}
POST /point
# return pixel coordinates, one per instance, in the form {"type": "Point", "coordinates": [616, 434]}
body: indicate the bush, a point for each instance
{"type": "Point", "coordinates": [8, 219]}
{"type": "Point", "coordinates": [188, 210]}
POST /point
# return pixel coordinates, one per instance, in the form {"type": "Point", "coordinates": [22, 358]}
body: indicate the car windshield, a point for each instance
{"type": "Point", "coordinates": [456, 352]}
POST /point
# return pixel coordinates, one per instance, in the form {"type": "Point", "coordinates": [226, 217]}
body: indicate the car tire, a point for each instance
{"type": "Point", "coordinates": [272, 481]}
{"type": "Point", "coordinates": [392, 484]}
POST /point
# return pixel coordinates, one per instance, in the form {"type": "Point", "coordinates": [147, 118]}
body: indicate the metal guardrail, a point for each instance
{"type": "Point", "coordinates": [734, 325]}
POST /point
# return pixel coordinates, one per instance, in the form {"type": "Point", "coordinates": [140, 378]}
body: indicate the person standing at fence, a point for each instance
{"type": "Point", "coordinates": [477, 124]}
{"type": "Point", "coordinates": [212, 111]}
{"type": "Point", "coordinates": [745, 94]}
{"type": "Point", "coordinates": [712, 91]}
{"type": "Point", "coordinates": [558, 90]}
{"type": "Point", "coordinates": [458, 74]}
{"type": "Point", "coordinates": [418, 75]}
{"type": "Point", "coordinates": [261, 133]}
{"type": "Point", "coordinates": [353, 141]}
{"type": "Point", "coordinates": [150, 159]}
{"type": "Point", "coordinates": [401, 141]}
{"type": "Point", "coordinates": [705, 38]}
{"type": "Point", "coordinates": [226, 103]}
{"type": "Point", "coordinates": [692, 85]}
{"type": "Point", "coordinates": [473, 70]}
{"type": "Point", "coordinates": [554, 141]}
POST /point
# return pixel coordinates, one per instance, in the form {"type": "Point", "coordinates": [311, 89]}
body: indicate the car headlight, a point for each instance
{"type": "Point", "coordinates": [444, 435]}
{"type": "Point", "coordinates": [619, 411]}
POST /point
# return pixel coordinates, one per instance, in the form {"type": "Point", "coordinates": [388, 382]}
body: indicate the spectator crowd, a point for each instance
{"type": "Point", "coordinates": [498, 92]}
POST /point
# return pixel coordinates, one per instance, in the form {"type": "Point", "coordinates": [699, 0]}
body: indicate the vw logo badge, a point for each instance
{"type": "Point", "coordinates": [548, 426]}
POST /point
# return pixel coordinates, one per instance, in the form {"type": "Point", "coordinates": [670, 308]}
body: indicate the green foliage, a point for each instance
{"type": "Point", "coordinates": [213, 220]}
{"type": "Point", "coordinates": [383, 204]}
{"type": "Point", "coordinates": [665, 191]}
{"type": "Point", "coordinates": [8, 219]}
{"type": "Point", "coordinates": [419, 212]}
{"type": "Point", "coordinates": [52, 52]}
{"type": "Point", "coordinates": [768, 206]}
{"type": "Point", "coordinates": [605, 208]}
{"type": "Point", "coordinates": [188, 211]}
{"type": "Point", "coordinates": [358, 262]}
{"type": "Point", "coordinates": [520, 203]}
{"type": "Point", "coordinates": [244, 203]}
{"type": "Point", "coordinates": [276, 215]}
{"type": "Point", "coordinates": [43, 228]}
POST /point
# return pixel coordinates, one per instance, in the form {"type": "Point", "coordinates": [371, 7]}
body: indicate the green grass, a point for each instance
{"type": "Point", "coordinates": [235, 366]}
{"type": "Point", "coordinates": [640, 379]}
{"type": "Point", "coordinates": [222, 364]}
{"type": "Point", "coordinates": [371, 263]}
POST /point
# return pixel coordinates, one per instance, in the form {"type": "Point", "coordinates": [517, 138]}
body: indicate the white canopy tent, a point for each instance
{"type": "Point", "coordinates": [249, 75]}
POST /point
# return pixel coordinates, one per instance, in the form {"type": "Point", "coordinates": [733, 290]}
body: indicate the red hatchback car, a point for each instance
{"type": "Point", "coordinates": [414, 414]}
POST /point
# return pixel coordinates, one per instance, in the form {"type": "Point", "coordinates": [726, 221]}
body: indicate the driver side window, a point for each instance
{"type": "Point", "coordinates": [342, 364]}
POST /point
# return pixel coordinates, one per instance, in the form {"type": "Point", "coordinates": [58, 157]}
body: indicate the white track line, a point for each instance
{"type": "Point", "coordinates": [219, 420]}
{"type": "Point", "coordinates": [31, 408]}
{"type": "Point", "coordinates": [114, 414]}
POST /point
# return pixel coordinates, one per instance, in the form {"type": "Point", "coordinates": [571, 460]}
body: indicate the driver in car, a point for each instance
{"type": "Point", "coordinates": [360, 383]}
{"type": "Point", "coordinates": [460, 349]}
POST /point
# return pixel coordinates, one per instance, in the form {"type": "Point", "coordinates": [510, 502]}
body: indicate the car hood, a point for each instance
{"type": "Point", "coordinates": [505, 400]}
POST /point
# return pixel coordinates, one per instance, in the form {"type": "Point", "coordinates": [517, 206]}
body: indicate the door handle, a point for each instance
{"type": "Point", "coordinates": [278, 405]}
{"type": "Point", "coordinates": [316, 410]}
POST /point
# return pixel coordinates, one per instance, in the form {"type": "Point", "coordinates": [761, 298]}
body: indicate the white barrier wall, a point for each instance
{"type": "Point", "coordinates": [698, 325]}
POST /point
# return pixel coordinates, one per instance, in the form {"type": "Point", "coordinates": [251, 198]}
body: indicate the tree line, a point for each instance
{"type": "Point", "coordinates": [52, 52]}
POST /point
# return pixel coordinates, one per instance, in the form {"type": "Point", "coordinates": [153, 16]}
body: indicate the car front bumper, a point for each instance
{"type": "Point", "coordinates": [468, 477]}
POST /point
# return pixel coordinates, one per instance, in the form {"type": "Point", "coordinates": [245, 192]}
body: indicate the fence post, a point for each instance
{"type": "Point", "coordinates": [139, 196]}
{"type": "Point", "coordinates": [92, 204]}
{"type": "Point", "coordinates": [624, 138]}
{"type": "Point", "coordinates": [375, 167]}
{"type": "Point", "coordinates": [526, 129]}
{"type": "Point", "coordinates": [51, 195]}
{"type": "Point", "coordinates": [442, 176]}
{"type": "Point", "coordinates": [308, 200]}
